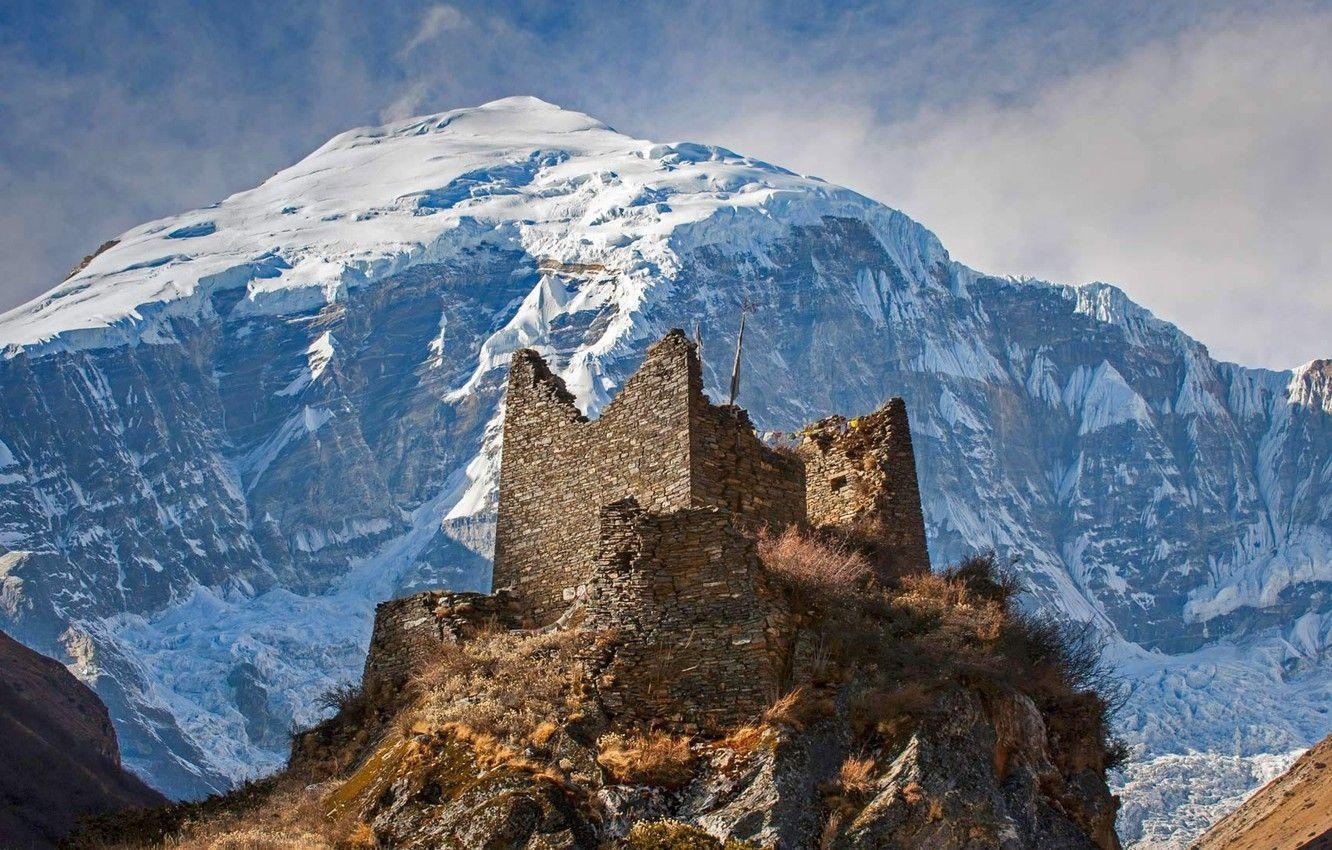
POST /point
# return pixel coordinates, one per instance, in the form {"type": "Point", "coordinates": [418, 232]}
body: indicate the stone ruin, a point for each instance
{"type": "Point", "coordinates": [641, 525]}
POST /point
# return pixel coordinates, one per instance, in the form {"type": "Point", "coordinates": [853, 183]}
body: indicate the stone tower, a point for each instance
{"type": "Point", "coordinates": [659, 442]}
{"type": "Point", "coordinates": [860, 474]}
{"type": "Point", "coordinates": [642, 522]}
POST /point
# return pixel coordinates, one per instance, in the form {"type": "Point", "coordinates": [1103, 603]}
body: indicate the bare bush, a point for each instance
{"type": "Point", "coordinates": [811, 563]}
{"type": "Point", "coordinates": [345, 697]}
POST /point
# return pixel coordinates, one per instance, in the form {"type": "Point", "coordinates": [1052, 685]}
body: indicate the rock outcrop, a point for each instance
{"type": "Point", "coordinates": [59, 760]}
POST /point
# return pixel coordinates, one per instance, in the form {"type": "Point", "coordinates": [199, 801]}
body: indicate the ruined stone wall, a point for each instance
{"type": "Point", "coordinates": [409, 631]}
{"type": "Point", "coordinates": [861, 473]}
{"type": "Point", "coordinates": [558, 469]}
{"type": "Point", "coordinates": [699, 635]}
{"type": "Point", "coordinates": [659, 441]}
{"type": "Point", "coordinates": [733, 469]}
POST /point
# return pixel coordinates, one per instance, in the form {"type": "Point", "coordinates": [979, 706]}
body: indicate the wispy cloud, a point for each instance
{"type": "Point", "coordinates": [436, 21]}
{"type": "Point", "coordinates": [1192, 171]}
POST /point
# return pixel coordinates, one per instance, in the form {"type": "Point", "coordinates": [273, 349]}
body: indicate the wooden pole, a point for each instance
{"type": "Point", "coordinates": [735, 370]}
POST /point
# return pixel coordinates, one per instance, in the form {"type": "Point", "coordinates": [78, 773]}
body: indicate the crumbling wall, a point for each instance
{"type": "Point", "coordinates": [409, 631]}
{"type": "Point", "coordinates": [731, 468]}
{"type": "Point", "coordinates": [861, 474]}
{"type": "Point", "coordinates": [659, 441]}
{"type": "Point", "coordinates": [697, 632]}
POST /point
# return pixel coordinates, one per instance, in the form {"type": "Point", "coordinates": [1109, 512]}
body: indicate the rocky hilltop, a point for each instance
{"type": "Point", "coordinates": [59, 752]}
{"type": "Point", "coordinates": [698, 641]}
{"type": "Point", "coordinates": [232, 431]}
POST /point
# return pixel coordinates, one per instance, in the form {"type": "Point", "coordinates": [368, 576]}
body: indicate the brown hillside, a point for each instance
{"type": "Point", "coordinates": [1292, 811]}
{"type": "Point", "coordinates": [59, 760]}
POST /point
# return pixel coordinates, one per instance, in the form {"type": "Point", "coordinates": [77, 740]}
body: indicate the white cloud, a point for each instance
{"type": "Point", "coordinates": [436, 21]}
{"type": "Point", "coordinates": [1195, 172]}
{"type": "Point", "coordinates": [1186, 160]}
{"type": "Point", "coordinates": [408, 103]}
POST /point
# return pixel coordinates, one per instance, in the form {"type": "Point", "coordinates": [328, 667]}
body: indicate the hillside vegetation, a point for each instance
{"type": "Point", "coordinates": [928, 714]}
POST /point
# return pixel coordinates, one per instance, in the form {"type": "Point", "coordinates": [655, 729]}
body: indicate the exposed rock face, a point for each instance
{"type": "Point", "coordinates": [58, 755]}
{"type": "Point", "coordinates": [1293, 810]}
{"type": "Point", "coordinates": [452, 802]}
{"type": "Point", "coordinates": [942, 788]}
{"type": "Point", "coordinates": [938, 793]}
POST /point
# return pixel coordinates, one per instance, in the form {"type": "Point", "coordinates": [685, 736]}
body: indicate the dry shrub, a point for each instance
{"type": "Point", "coordinates": [983, 576]}
{"type": "Point", "coordinates": [253, 839]}
{"type": "Point", "coordinates": [744, 740]}
{"type": "Point", "coordinates": [517, 688]}
{"type": "Point", "coordinates": [855, 778]}
{"type": "Point", "coordinates": [952, 607]}
{"type": "Point", "coordinates": [798, 708]}
{"type": "Point", "coordinates": [811, 563]}
{"type": "Point", "coordinates": [908, 642]}
{"type": "Point", "coordinates": [654, 758]}
{"type": "Point", "coordinates": [287, 817]}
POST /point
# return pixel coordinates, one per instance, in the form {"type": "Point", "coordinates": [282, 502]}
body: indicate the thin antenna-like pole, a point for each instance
{"type": "Point", "coordinates": [735, 370]}
{"type": "Point", "coordinates": [698, 343]}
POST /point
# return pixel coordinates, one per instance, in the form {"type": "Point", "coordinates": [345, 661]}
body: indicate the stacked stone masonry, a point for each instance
{"type": "Point", "coordinates": [410, 631]}
{"type": "Point", "coordinates": [695, 624]}
{"type": "Point", "coordinates": [861, 474]}
{"type": "Point", "coordinates": [660, 442]}
{"type": "Point", "coordinates": [642, 523]}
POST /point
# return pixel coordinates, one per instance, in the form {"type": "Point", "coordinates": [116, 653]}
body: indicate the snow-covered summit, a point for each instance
{"type": "Point", "coordinates": [373, 201]}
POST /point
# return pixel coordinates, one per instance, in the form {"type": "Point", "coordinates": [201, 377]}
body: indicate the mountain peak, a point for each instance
{"type": "Point", "coordinates": [520, 114]}
{"type": "Point", "coordinates": [518, 173]}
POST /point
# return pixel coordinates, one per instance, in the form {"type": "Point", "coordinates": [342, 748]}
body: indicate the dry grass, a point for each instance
{"type": "Point", "coordinates": [517, 689]}
{"type": "Point", "coordinates": [744, 740]}
{"type": "Point", "coordinates": [287, 817]}
{"type": "Point", "coordinates": [798, 708]}
{"type": "Point", "coordinates": [654, 758]}
{"type": "Point", "coordinates": [856, 776]}
{"type": "Point", "coordinates": [674, 835]}
{"type": "Point", "coordinates": [813, 564]}
{"type": "Point", "coordinates": [904, 644]}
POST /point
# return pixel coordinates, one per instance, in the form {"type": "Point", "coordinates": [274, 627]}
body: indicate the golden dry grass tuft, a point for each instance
{"type": "Point", "coordinates": [798, 708]}
{"type": "Point", "coordinates": [811, 563]}
{"type": "Point", "coordinates": [516, 688]}
{"type": "Point", "coordinates": [652, 758]}
{"type": "Point", "coordinates": [855, 778]}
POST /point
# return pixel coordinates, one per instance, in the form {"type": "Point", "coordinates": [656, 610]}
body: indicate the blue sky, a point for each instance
{"type": "Point", "coordinates": [1180, 150]}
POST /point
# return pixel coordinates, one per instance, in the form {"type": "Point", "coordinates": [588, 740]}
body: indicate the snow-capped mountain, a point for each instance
{"type": "Point", "coordinates": [230, 432]}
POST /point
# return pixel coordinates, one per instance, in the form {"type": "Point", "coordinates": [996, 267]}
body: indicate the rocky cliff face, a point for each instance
{"type": "Point", "coordinates": [59, 752]}
{"type": "Point", "coordinates": [234, 430]}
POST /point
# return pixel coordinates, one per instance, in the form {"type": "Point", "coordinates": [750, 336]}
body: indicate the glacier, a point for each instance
{"type": "Point", "coordinates": [232, 431]}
